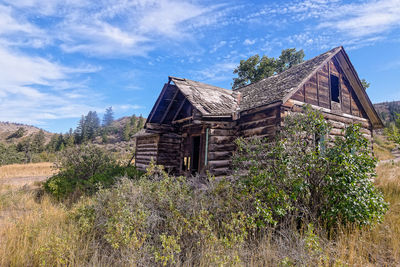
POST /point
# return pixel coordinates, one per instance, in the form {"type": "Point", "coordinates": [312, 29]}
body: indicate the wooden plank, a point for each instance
{"type": "Point", "coordinates": [259, 123]}
{"type": "Point", "coordinates": [265, 130]}
{"type": "Point", "coordinates": [220, 155]}
{"type": "Point", "coordinates": [153, 111]}
{"type": "Point", "coordinates": [221, 147]}
{"type": "Point", "coordinates": [179, 109]}
{"type": "Point", "coordinates": [260, 115]}
{"type": "Point", "coordinates": [219, 163]}
{"type": "Point", "coordinates": [169, 105]}
{"type": "Point", "coordinates": [226, 132]}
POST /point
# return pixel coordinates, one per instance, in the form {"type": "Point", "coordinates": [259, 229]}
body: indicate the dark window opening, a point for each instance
{"type": "Point", "coordinates": [335, 88]}
{"type": "Point", "coordinates": [196, 154]}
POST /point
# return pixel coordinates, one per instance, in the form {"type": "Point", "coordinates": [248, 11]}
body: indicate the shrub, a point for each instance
{"type": "Point", "coordinates": [83, 169]}
{"type": "Point", "coordinates": [304, 175]}
{"type": "Point", "coordinates": [159, 219]}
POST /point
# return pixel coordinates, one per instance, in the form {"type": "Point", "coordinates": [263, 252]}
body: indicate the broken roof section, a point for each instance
{"type": "Point", "coordinates": [208, 99]}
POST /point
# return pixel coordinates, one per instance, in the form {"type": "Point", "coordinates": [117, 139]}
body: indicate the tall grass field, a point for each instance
{"type": "Point", "coordinates": [40, 232]}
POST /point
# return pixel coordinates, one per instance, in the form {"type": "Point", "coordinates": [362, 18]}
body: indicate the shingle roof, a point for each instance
{"type": "Point", "coordinates": [208, 99]}
{"type": "Point", "coordinates": [277, 87]}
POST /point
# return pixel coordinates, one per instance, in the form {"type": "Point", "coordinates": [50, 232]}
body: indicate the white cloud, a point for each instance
{"type": "Point", "coordinates": [33, 89]}
{"type": "Point", "coordinates": [110, 27]}
{"type": "Point", "coordinates": [370, 18]}
{"type": "Point", "coordinates": [217, 72]}
{"type": "Point", "coordinates": [249, 42]}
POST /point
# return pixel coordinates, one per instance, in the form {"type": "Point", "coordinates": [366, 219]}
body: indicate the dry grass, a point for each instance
{"type": "Point", "coordinates": [36, 233]}
{"type": "Point", "coordinates": [383, 147]}
{"type": "Point", "coordinates": [26, 170]}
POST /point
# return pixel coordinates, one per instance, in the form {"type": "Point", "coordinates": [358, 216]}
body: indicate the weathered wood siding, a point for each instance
{"type": "Point", "coordinates": [316, 91]}
{"type": "Point", "coordinates": [169, 150]}
{"type": "Point", "coordinates": [261, 123]}
{"type": "Point", "coordinates": [221, 147]}
{"type": "Point", "coordinates": [146, 150]}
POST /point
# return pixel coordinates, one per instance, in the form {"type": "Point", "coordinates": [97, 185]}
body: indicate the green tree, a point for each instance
{"type": "Point", "coordinates": [134, 124]}
{"type": "Point", "coordinates": [108, 117]}
{"type": "Point", "coordinates": [126, 131]}
{"type": "Point", "coordinates": [20, 132]}
{"type": "Point", "coordinates": [141, 122]}
{"type": "Point", "coordinates": [38, 142]}
{"type": "Point", "coordinates": [25, 146]}
{"type": "Point", "coordinates": [365, 84]}
{"type": "Point", "coordinates": [256, 68]}
{"type": "Point", "coordinates": [70, 140]}
{"type": "Point", "coordinates": [306, 176]}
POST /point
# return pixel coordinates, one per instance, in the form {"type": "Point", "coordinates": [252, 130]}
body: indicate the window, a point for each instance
{"type": "Point", "coordinates": [335, 88]}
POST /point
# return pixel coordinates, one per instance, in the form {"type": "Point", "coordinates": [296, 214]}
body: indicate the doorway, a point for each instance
{"type": "Point", "coordinates": [196, 154]}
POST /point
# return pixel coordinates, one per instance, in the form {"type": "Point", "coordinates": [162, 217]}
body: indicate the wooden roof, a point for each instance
{"type": "Point", "coordinates": [277, 87]}
{"type": "Point", "coordinates": [215, 101]}
{"type": "Point", "coordinates": [280, 87]}
{"type": "Point", "coordinates": [208, 99]}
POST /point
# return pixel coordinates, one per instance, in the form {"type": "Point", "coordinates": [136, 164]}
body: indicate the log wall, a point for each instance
{"type": "Point", "coordinates": [262, 123]}
{"type": "Point", "coordinates": [146, 150]}
{"type": "Point", "coordinates": [169, 151]}
{"type": "Point", "coordinates": [221, 146]}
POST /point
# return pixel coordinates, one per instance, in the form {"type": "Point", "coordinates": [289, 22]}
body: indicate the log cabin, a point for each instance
{"type": "Point", "coordinates": [192, 126]}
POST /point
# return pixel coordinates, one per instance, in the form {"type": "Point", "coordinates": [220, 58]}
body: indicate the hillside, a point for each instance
{"type": "Point", "coordinates": [387, 111]}
{"type": "Point", "coordinates": [7, 129]}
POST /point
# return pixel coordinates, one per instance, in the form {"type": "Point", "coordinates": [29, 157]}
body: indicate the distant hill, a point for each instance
{"type": "Point", "coordinates": [7, 129]}
{"type": "Point", "coordinates": [387, 111]}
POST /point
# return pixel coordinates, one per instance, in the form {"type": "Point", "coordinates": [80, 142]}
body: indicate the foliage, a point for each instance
{"type": "Point", "coordinates": [306, 176]}
{"type": "Point", "coordinates": [365, 84]}
{"type": "Point", "coordinates": [81, 170]}
{"type": "Point", "coordinates": [393, 130]}
{"type": "Point", "coordinates": [20, 132]}
{"type": "Point", "coordinates": [9, 154]}
{"type": "Point", "coordinates": [255, 68]}
{"type": "Point", "coordinates": [87, 128]}
{"type": "Point", "coordinates": [166, 218]}
{"type": "Point", "coordinates": [108, 117]}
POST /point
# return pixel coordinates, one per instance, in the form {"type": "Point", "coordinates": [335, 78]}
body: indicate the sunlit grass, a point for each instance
{"type": "Point", "coordinates": [26, 170]}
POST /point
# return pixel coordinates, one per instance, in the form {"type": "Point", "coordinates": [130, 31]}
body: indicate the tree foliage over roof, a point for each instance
{"type": "Point", "coordinates": [256, 68]}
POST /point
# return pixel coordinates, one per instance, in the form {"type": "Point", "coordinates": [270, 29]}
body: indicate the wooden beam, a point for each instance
{"type": "Point", "coordinates": [179, 109]}
{"type": "Point", "coordinates": [153, 111]}
{"type": "Point", "coordinates": [183, 120]}
{"type": "Point", "coordinates": [169, 105]}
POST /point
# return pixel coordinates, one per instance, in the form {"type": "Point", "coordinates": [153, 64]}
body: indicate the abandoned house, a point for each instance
{"type": "Point", "coordinates": [192, 126]}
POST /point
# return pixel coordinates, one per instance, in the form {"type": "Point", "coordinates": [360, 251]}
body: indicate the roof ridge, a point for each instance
{"type": "Point", "coordinates": [295, 66]}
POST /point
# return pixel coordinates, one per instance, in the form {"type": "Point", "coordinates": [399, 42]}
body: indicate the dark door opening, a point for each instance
{"type": "Point", "coordinates": [196, 154]}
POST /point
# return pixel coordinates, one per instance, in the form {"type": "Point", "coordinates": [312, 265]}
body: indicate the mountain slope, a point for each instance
{"type": "Point", "coordinates": [7, 129]}
{"type": "Point", "coordinates": [387, 111]}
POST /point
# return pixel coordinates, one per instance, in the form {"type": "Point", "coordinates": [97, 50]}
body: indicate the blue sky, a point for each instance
{"type": "Point", "coordinates": [61, 58]}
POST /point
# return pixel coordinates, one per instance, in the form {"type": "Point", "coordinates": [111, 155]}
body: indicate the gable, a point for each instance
{"type": "Point", "coordinates": [170, 106]}
{"type": "Point", "coordinates": [317, 90]}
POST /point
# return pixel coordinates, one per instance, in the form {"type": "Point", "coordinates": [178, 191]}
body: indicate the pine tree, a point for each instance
{"type": "Point", "coordinates": [38, 142]}
{"type": "Point", "coordinates": [127, 131]}
{"type": "Point", "coordinates": [141, 122]}
{"type": "Point", "coordinates": [52, 145]}
{"type": "Point", "coordinates": [80, 131]}
{"type": "Point", "coordinates": [70, 139]}
{"type": "Point", "coordinates": [134, 124]}
{"type": "Point", "coordinates": [108, 117]}
{"type": "Point", "coordinates": [92, 124]}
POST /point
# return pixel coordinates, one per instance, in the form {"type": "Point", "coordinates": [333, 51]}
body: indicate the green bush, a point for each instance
{"type": "Point", "coordinates": [81, 170]}
{"type": "Point", "coordinates": [160, 218]}
{"type": "Point", "coordinates": [306, 176]}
